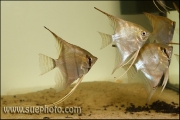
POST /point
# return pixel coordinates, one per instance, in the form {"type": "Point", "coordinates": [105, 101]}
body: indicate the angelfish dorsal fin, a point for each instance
{"type": "Point", "coordinates": [58, 42]}
{"type": "Point", "coordinates": [113, 19]}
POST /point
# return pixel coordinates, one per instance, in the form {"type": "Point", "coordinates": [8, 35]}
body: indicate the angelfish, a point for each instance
{"type": "Point", "coordinates": [72, 63]}
{"type": "Point", "coordinates": [161, 3]}
{"type": "Point", "coordinates": [163, 28]}
{"type": "Point", "coordinates": [128, 38]}
{"type": "Point", "coordinates": [151, 65]}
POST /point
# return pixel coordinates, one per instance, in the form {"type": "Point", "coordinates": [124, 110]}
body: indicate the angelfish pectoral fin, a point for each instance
{"type": "Point", "coordinates": [65, 97]}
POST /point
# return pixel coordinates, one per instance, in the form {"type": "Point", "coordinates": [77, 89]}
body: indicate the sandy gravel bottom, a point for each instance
{"type": "Point", "coordinates": [96, 99]}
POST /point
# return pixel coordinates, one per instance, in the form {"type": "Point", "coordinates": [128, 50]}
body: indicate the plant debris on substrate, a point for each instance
{"type": "Point", "coordinates": [157, 106]}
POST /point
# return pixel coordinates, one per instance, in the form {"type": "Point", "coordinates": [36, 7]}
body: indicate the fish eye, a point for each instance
{"type": "Point", "coordinates": [143, 33]}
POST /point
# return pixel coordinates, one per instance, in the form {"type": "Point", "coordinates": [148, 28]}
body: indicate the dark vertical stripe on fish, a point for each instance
{"type": "Point", "coordinates": [89, 62]}
{"type": "Point", "coordinates": [140, 53]}
{"type": "Point", "coordinates": [149, 48]}
{"type": "Point", "coordinates": [76, 65]}
{"type": "Point", "coordinates": [164, 51]}
{"type": "Point", "coordinates": [65, 65]}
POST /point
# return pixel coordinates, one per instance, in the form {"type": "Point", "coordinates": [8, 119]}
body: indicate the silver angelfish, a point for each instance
{"type": "Point", "coordinates": [163, 28]}
{"type": "Point", "coordinates": [128, 38]}
{"type": "Point", "coordinates": [72, 63]}
{"type": "Point", "coordinates": [151, 65]}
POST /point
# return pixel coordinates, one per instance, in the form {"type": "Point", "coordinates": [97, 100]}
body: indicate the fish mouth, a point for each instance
{"type": "Point", "coordinates": [170, 54]}
{"type": "Point", "coordinates": [94, 60]}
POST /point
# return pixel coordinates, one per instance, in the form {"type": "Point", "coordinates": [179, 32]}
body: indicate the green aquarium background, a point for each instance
{"type": "Point", "coordinates": [23, 37]}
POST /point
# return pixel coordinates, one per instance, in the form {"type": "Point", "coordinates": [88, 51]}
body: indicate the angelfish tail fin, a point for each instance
{"type": "Point", "coordinates": [46, 63]}
{"type": "Point", "coordinates": [106, 39]}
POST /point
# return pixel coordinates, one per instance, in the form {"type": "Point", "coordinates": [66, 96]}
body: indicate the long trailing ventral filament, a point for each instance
{"type": "Point", "coordinates": [65, 97]}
